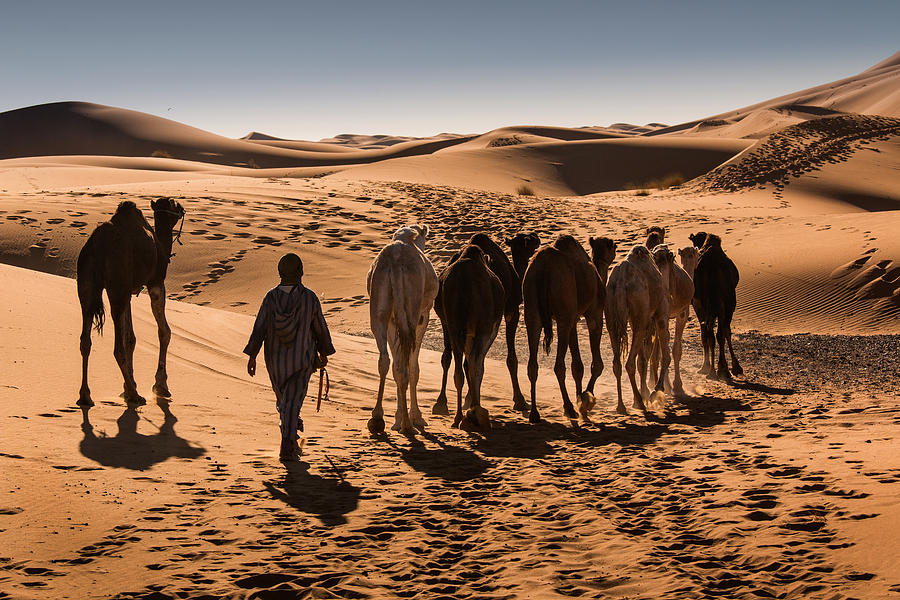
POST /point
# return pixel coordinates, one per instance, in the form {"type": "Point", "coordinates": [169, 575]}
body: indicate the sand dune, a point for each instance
{"type": "Point", "coordinates": [875, 91]}
{"type": "Point", "coordinates": [81, 128]}
{"type": "Point", "coordinates": [557, 168]}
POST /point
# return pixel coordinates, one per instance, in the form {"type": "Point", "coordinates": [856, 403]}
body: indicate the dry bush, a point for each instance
{"type": "Point", "coordinates": [252, 164]}
{"type": "Point", "coordinates": [525, 190]}
{"type": "Point", "coordinates": [642, 193]}
{"type": "Point", "coordinates": [160, 154]}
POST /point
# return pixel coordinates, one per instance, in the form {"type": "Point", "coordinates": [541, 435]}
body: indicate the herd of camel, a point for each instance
{"type": "Point", "coordinates": [558, 282]}
{"type": "Point", "coordinates": [477, 289]}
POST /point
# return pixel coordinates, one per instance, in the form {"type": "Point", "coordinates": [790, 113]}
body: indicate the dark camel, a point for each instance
{"type": "Point", "coordinates": [562, 284]}
{"type": "Point", "coordinates": [470, 303]}
{"type": "Point", "coordinates": [122, 256]}
{"type": "Point", "coordinates": [603, 253]}
{"type": "Point", "coordinates": [698, 238]}
{"type": "Point", "coordinates": [523, 246]}
{"type": "Point", "coordinates": [715, 281]}
{"type": "Point", "coordinates": [656, 235]}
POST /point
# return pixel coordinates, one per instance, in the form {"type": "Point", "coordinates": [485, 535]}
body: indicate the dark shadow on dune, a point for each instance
{"type": "Point", "coordinates": [129, 449]}
{"type": "Point", "coordinates": [449, 463]}
{"type": "Point", "coordinates": [330, 500]}
{"type": "Point", "coordinates": [867, 202]}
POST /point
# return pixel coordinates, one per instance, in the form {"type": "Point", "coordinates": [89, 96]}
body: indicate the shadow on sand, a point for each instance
{"type": "Point", "coordinates": [132, 450]}
{"type": "Point", "coordinates": [328, 499]}
{"type": "Point", "coordinates": [450, 463]}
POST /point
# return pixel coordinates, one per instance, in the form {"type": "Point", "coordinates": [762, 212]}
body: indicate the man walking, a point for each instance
{"type": "Point", "coordinates": [292, 327]}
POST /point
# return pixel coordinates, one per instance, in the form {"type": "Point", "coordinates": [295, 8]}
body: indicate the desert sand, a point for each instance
{"type": "Point", "coordinates": [783, 484]}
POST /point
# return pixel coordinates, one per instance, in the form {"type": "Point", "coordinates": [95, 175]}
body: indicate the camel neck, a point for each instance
{"type": "Point", "coordinates": [520, 264]}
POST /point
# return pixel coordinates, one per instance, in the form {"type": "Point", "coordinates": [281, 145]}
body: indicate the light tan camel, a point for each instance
{"type": "Point", "coordinates": [562, 284]}
{"type": "Point", "coordinates": [680, 288]}
{"type": "Point", "coordinates": [635, 295]}
{"type": "Point", "coordinates": [470, 303]}
{"type": "Point", "coordinates": [689, 256]}
{"type": "Point", "coordinates": [123, 256]}
{"type": "Point", "coordinates": [402, 286]}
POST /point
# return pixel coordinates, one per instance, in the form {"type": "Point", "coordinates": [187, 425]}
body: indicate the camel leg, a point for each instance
{"type": "Point", "coordinates": [401, 377]}
{"type": "Point", "coordinates": [680, 322]}
{"type": "Point", "coordinates": [415, 414]}
{"type": "Point", "coordinates": [707, 339]}
{"type": "Point", "coordinates": [123, 349]}
{"type": "Point", "coordinates": [477, 416]}
{"type": "Point", "coordinates": [637, 347]}
{"type": "Point", "coordinates": [512, 361]}
{"type": "Point", "coordinates": [84, 395]}
{"type": "Point", "coordinates": [617, 371]}
{"type": "Point", "coordinates": [595, 335]}
{"type": "Point", "coordinates": [564, 332]}
{"type": "Point", "coordinates": [533, 329]}
{"type": "Point", "coordinates": [440, 406]}
{"type": "Point", "coordinates": [722, 371]}
{"type": "Point", "coordinates": [158, 306]}
{"type": "Point", "coordinates": [654, 358]}
{"type": "Point", "coordinates": [459, 378]}
{"type": "Point", "coordinates": [658, 397]}
{"type": "Point", "coordinates": [735, 365]}
{"type": "Point", "coordinates": [642, 362]}
{"type": "Point", "coordinates": [379, 329]}
{"type": "Point", "coordinates": [578, 373]}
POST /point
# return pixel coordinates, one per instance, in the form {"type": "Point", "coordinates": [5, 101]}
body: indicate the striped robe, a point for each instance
{"type": "Point", "coordinates": [291, 327]}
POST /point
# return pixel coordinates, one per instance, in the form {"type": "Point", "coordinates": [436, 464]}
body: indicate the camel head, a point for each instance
{"type": "Point", "coordinates": [412, 234]}
{"type": "Point", "coordinates": [603, 251]}
{"type": "Point", "coordinates": [690, 256]}
{"type": "Point", "coordinates": [166, 214]}
{"type": "Point", "coordinates": [656, 235]}
{"type": "Point", "coordinates": [712, 241]}
{"type": "Point", "coordinates": [662, 256]}
{"type": "Point", "coordinates": [522, 246]}
{"type": "Point", "coordinates": [698, 238]}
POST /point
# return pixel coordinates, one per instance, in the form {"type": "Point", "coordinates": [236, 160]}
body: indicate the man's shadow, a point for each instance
{"type": "Point", "coordinates": [328, 499]}
{"type": "Point", "coordinates": [132, 450]}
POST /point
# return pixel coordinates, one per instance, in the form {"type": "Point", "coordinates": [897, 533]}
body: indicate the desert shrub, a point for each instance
{"type": "Point", "coordinates": [161, 154]}
{"type": "Point", "coordinates": [642, 193]}
{"type": "Point", "coordinates": [525, 190]}
{"type": "Point", "coordinates": [252, 164]}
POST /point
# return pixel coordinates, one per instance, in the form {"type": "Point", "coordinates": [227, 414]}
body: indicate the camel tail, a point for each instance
{"type": "Point", "coordinates": [90, 285]}
{"type": "Point", "coordinates": [543, 307]}
{"type": "Point", "coordinates": [406, 311]}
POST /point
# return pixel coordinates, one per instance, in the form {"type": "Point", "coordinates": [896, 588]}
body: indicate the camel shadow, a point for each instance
{"type": "Point", "coordinates": [754, 386]}
{"type": "Point", "coordinates": [526, 440]}
{"type": "Point", "coordinates": [449, 463]}
{"type": "Point", "coordinates": [330, 500]}
{"type": "Point", "coordinates": [129, 449]}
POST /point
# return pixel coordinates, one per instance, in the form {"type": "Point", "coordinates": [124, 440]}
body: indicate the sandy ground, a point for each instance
{"type": "Point", "coordinates": [783, 484]}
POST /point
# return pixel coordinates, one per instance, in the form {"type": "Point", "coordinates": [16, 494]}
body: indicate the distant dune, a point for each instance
{"type": "Point", "coordinates": [875, 91]}
{"type": "Point", "coordinates": [557, 168]}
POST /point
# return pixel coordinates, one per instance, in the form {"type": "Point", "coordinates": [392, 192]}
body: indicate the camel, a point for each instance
{"type": "Point", "coordinates": [656, 235]}
{"type": "Point", "coordinates": [635, 294]}
{"type": "Point", "coordinates": [122, 256]}
{"type": "Point", "coordinates": [697, 239]}
{"type": "Point", "coordinates": [690, 256]}
{"type": "Point", "coordinates": [603, 253]}
{"type": "Point", "coordinates": [523, 246]}
{"type": "Point", "coordinates": [402, 286]}
{"type": "Point", "coordinates": [715, 281]}
{"type": "Point", "coordinates": [470, 303]}
{"type": "Point", "coordinates": [562, 284]}
{"type": "Point", "coordinates": [680, 289]}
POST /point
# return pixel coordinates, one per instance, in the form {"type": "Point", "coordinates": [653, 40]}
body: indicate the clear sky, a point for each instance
{"type": "Point", "coordinates": [309, 70]}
